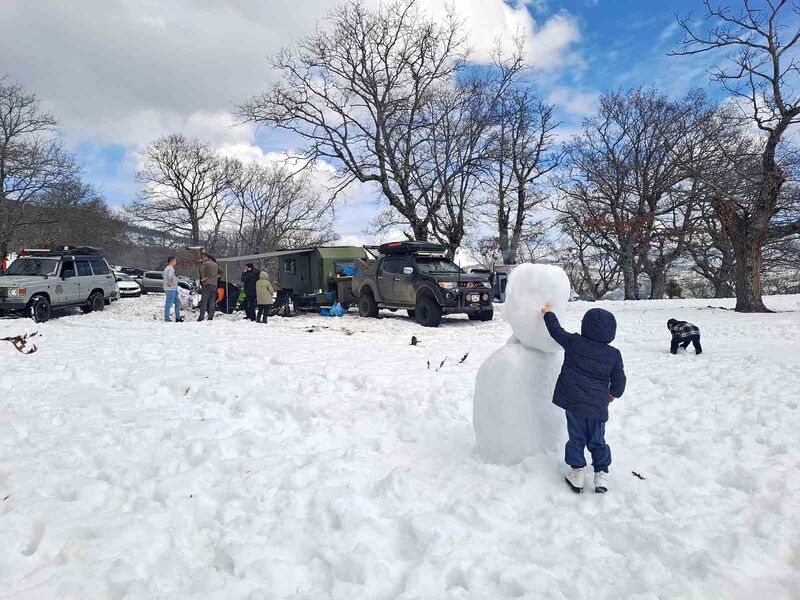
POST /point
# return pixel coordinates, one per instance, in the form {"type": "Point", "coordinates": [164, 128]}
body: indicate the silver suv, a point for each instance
{"type": "Point", "coordinates": [41, 280]}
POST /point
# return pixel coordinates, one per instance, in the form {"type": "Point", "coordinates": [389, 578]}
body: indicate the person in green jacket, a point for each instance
{"type": "Point", "coordinates": [264, 292]}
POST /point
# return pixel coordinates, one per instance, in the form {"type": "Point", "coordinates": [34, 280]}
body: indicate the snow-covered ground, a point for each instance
{"type": "Point", "coordinates": [321, 458]}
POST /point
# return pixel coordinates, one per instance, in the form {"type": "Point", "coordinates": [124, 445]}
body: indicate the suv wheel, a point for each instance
{"type": "Point", "coordinates": [367, 307]}
{"type": "Point", "coordinates": [40, 309]}
{"type": "Point", "coordinates": [428, 312]}
{"type": "Point", "coordinates": [95, 303]}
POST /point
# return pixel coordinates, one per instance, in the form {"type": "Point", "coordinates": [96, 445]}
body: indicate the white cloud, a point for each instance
{"type": "Point", "coordinates": [547, 43]}
{"type": "Point", "coordinates": [573, 101]}
{"type": "Point", "coordinates": [127, 71]}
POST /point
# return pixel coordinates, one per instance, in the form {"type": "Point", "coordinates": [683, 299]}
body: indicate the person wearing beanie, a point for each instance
{"type": "Point", "coordinates": [683, 334]}
{"type": "Point", "coordinates": [592, 377]}
{"type": "Point", "coordinates": [249, 279]}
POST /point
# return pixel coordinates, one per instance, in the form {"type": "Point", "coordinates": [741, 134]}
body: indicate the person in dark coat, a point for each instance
{"type": "Point", "coordinates": [592, 377]}
{"type": "Point", "coordinates": [249, 280]}
{"type": "Point", "coordinates": [683, 334]}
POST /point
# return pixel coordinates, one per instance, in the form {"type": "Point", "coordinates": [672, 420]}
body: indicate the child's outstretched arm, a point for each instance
{"type": "Point", "coordinates": [554, 328]}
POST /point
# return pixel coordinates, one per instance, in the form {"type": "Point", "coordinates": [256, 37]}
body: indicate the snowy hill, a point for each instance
{"type": "Point", "coordinates": [322, 458]}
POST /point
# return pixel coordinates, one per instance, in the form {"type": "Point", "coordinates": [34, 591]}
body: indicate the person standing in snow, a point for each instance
{"type": "Point", "coordinates": [591, 377]}
{"type": "Point", "coordinates": [170, 284]}
{"type": "Point", "coordinates": [264, 292]}
{"type": "Point", "coordinates": [683, 334]}
{"type": "Point", "coordinates": [249, 279]}
{"type": "Point", "coordinates": [209, 274]}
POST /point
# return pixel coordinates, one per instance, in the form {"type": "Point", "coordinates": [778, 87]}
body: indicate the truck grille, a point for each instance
{"type": "Point", "coordinates": [3, 292]}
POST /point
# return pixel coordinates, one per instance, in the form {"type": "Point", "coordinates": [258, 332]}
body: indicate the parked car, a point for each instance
{"type": "Point", "coordinates": [39, 281]}
{"type": "Point", "coordinates": [153, 281]}
{"type": "Point", "coordinates": [127, 287]}
{"type": "Point", "coordinates": [418, 277]}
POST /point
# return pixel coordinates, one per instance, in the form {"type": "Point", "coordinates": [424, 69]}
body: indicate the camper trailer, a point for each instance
{"type": "Point", "coordinates": [308, 278]}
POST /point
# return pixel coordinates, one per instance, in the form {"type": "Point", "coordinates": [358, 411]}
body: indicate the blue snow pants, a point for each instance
{"type": "Point", "coordinates": [586, 433]}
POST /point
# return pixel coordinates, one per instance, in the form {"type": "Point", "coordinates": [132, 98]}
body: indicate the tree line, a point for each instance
{"type": "Point", "coordinates": [391, 99]}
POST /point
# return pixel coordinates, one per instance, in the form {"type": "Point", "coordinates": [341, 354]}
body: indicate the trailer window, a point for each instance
{"type": "Point", "coordinates": [289, 266]}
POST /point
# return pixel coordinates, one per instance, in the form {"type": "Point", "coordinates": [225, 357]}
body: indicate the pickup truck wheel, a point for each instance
{"type": "Point", "coordinates": [40, 309]}
{"type": "Point", "coordinates": [367, 307]}
{"type": "Point", "coordinates": [428, 312]}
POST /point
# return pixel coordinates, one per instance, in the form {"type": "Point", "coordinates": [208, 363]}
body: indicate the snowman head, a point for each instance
{"type": "Point", "coordinates": [529, 288]}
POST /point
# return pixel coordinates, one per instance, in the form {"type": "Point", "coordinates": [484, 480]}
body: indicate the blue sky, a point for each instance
{"type": "Point", "coordinates": [118, 73]}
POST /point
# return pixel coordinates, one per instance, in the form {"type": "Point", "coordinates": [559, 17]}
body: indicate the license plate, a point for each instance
{"type": "Point", "coordinates": [473, 297]}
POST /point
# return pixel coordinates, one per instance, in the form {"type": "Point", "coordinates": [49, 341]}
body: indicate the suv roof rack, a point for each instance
{"type": "Point", "coordinates": [411, 248]}
{"type": "Point", "coordinates": [64, 251]}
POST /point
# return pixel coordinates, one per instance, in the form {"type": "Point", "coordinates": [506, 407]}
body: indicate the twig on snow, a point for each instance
{"type": "Point", "coordinates": [20, 342]}
{"type": "Point", "coordinates": [463, 358]}
{"type": "Point", "coordinates": [635, 474]}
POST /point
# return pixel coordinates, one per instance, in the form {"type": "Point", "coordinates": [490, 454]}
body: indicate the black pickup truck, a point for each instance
{"type": "Point", "coordinates": [417, 277]}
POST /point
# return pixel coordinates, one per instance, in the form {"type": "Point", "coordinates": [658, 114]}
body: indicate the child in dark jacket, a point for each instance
{"type": "Point", "coordinates": [683, 334]}
{"type": "Point", "coordinates": [592, 377]}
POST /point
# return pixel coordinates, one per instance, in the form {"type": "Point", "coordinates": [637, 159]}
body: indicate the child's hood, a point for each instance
{"type": "Point", "coordinates": [263, 275]}
{"type": "Point", "coordinates": [599, 325]}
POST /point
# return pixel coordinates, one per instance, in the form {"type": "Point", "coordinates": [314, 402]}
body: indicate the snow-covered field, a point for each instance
{"type": "Point", "coordinates": [322, 458]}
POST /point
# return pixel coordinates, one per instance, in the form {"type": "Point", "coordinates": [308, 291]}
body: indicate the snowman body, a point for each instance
{"type": "Point", "coordinates": [513, 413]}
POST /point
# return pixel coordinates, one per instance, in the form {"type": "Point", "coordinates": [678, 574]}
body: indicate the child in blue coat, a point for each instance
{"type": "Point", "coordinates": [592, 377]}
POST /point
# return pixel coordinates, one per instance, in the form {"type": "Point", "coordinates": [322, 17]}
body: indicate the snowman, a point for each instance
{"type": "Point", "coordinates": [513, 414]}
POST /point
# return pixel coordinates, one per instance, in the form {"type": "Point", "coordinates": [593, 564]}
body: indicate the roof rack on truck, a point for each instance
{"type": "Point", "coordinates": [64, 251]}
{"type": "Point", "coordinates": [411, 248]}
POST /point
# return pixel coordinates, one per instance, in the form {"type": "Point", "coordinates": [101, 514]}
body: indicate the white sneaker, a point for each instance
{"type": "Point", "coordinates": [601, 482]}
{"type": "Point", "coordinates": [574, 479]}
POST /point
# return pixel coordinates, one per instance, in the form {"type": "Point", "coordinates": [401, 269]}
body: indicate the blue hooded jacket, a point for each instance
{"type": "Point", "coordinates": [592, 369]}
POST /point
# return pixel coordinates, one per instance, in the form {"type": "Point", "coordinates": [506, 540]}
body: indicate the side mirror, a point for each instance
{"type": "Point", "coordinates": [408, 270]}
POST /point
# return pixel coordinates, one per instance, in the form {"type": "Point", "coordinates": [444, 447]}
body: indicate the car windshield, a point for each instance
{"type": "Point", "coordinates": [33, 266]}
{"type": "Point", "coordinates": [437, 265]}
{"type": "Point", "coordinates": [122, 277]}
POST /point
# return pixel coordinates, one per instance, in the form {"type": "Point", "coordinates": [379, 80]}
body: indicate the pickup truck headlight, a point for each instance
{"type": "Point", "coordinates": [448, 285]}
{"type": "Point", "coordinates": [14, 292]}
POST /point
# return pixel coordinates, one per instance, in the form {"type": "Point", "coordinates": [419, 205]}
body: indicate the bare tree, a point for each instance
{"type": "Point", "coordinates": [357, 93]}
{"type": "Point", "coordinates": [276, 207]}
{"type": "Point", "coordinates": [74, 213]}
{"type": "Point", "coordinates": [712, 252]}
{"type": "Point", "coordinates": [32, 161]}
{"type": "Point", "coordinates": [592, 271]}
{"type": "Point", "coordinates": [522, 154]}
{"type": "Point", "coordinates": [184, 185]}
{"type": "Point", "coordinates": [628, 188]}
{"type": "Point", "coordinates": [455, 151]}
{"type": "Point", "coordinates": [761, 71]}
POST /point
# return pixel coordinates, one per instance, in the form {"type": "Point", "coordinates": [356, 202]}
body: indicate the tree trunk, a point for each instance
{"type": "Point", "coordinates": [629, 278]}
{"type": "Point", "coordinates": [658, 284]}
{"type": "Point", "coordinates": [748, 277]}
{"type": "Point", "coordinates": [420, 230]}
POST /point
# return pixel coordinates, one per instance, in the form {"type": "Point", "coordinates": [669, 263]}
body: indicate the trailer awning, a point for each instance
{"type": "Point", "coordinates": [264, 255]}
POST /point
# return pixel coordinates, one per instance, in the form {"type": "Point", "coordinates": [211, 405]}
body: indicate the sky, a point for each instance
{"type": "Point", "coordinates": [118, 74]}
